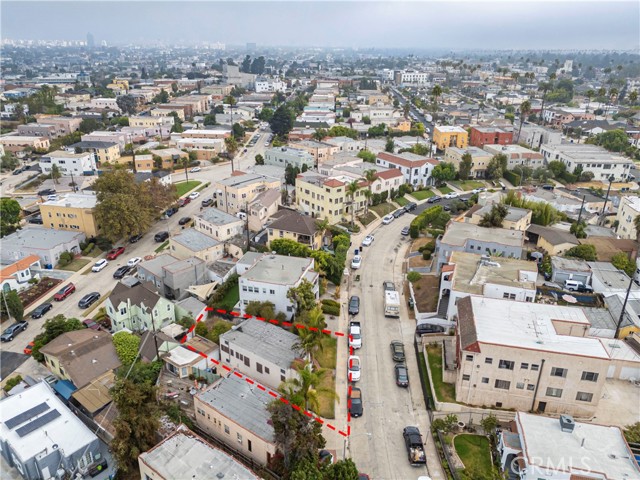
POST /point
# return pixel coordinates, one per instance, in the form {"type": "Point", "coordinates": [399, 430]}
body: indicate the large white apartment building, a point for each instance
{"type": "Point", "coordinates": [69, 163]}
{"type": "Point", "coordinates": [591, 158]}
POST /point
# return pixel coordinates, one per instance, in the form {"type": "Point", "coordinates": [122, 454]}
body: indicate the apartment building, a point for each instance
{"type": "Point", "coordinates": [149, 122]}
{"type": "Point", "coordinates": [283, 156]}
{"type": "Point", "coordinates": [18, 143]}
{"type": "Point", "coordinates": [265, 352]}
{"type": "Point", "coordinates": [320, 151]}
{"type": "Point", "coordinates": [262, 207]}
{"type": "Point", "coordinates": [105, 136]}
{"type": "Point", "coordinates": [105, 103]}
{"type": "Point", "coordinates": [325, 197]}
{"type": "Point", "coordinates": [233, 194]}
{"type": "Point", "coordinates": [345, 144]}
{"type": "Point", "coordinates": [209, 133]}
{"type": "Point", "coordinates": [166, 110]}
{"type": "Point", "coordinates": [271, 277]}
{"type": "Point", "coordinates": [529, 357]}
{"type": "Point", "coordinates": [244, 426]}
{"type": "Point", "coordinates": [446, 136]}
{"type": "Point", "coordinates": [590, 158]}
{"type": "Point", "coordinates": [628, 210]}
{"type": "Point", "coordinates": [64, 125]}
{"type": "Point", "coordinates": [387, 179]}
{"type": "Point", "coordinates": [46, 243]}
{"type": "Point", "coordinates": [411, 77]}
{"type": "Point", "coordinates": [481, 136]}
{"type": "Point", "coordinates": [38, 130]}
{"type": "Point", "coordinates": [193, 243]}
{"type": "Point", "coordinates": [485, 276]}
{"type": "Point", "coordinates": [103, 151]}
{"type": "Point", "coordinates": [415, 169]}
{"type": "Point", "coordinates": [170, 157]}
{"type": "Point", "coordinates": [535, 136]}
{"type": "Point", "coordinates": [517, 155]}
{"type": "Point", "coordinates": [73, 211]}
{"type": "Point", "coordinates": [205, 148]}
{"type": "Point", "coordinates": [218, 224]}
{"type": "Point", "coordinates": [69, 163]}
{"type": "Point", "coordinates": [270, 85]}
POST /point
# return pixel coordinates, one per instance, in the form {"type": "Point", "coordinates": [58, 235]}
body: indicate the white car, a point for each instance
{"type": "Point", "coordinates": [194, 195]}
{"type": "Point", "coordinates": [368, 240]}
{"type": "Point", "coordinates": [99, 265]}
{"type": "Point", "coordinates": [388, 219]}
{"type": "Point", "coordinates": [356, 262]}
{"type": "Point", "coordinates": [134, 261]}
{"type": "Point", "coordinates": [354, 368]}
{"type": "Point", "coordinates": [355, 335]}
{"type": "Point", "coordinates": [451, 195]}
{"type": "Point", "coordinates": [195, 169]}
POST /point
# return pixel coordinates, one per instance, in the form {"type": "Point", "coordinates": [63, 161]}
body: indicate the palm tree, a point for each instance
{"type": "Point", "coordinates": [633, 97]}
{"type": "Point", "coordinates": [352, 188]}
{"type": "Point", "coordinates": [436, 91]}
{"type": "Point", "coordinates": [185, 165]}
{"type": "Point", "coordinates": [311, 337]}
{"type": "Point", "coordinates": [613, 93]}
{"type": "Point", "coordinates": [367, 195]}
{"type": "Point", "coordinates": [370, 176]}
{"type": "Point", "coordinates": [525, 109]}
{"type": "Point", "coordinates": [405, 109]}
{"type": "Point", "coordinates": [303, 391]}
{"type": "Point", "coordinates": [544, 87]}
{"type": "Point", "coordinates": [232, 148]}
{"type": "Point", "coordinates": [590, 94]}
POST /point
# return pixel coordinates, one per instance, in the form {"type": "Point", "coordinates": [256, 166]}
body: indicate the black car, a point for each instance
{"type": "Point", "coordinates": [207, 201]}
{"type": "Point", "coordinates": [397, 351]}
{"type": "Point", "coordinates": [170, 211]}
{"type": "Point", "coordinates": [426, 328]}
{"type": "Point", "coordinates": [355, 402]}
{"type": "Point", "coordinates": [88, 300]}
{"type": "Point", "coordinates": [434, 199]}
{"type": "Point", "coordinates": [446, 208]}
{"type": "Point", "coordinates": [398, 213]}
{"type": "Point", "coordinates": [410, 207]}
{"type": "Point", "coordinates": [184, 220]}
{"type": "Point", "coordinates": [354, 305]}
{"type": "Point", "coordinates": [122, 271]}
{"type": "Point", "coordinates": [41, 310]}
{"type": "Point", "coordinates": [135, 238]}
{"type": "Point", "coordinates": [46, 191]}
{"type": "Point", "coordinates": [161, 236]}
{"type": "Point", "coordinates": [13, 330]}
{"type": "Point", "coordinates": [18, 171]}
{"type": "Point", "coordinates": [402, 375]}
{"type": "Point", "coordinates": [36, 220]}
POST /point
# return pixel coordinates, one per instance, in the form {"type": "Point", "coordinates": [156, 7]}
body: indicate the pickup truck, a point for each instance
{"type": "Point", "coordinates": [355, 335]}
{"type": "Point", "coordinates": [415, 447]}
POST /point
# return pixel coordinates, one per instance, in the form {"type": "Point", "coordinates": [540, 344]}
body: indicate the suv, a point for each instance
{"type": "Point", "coordinates": [388, 286]}
{"type": "Point", "coordinates": [426, 328]}
{"type": "Point", "coordinates": [354, 305]}
{"type": "Point", "coordinates": [88, 300]}
{"type": "Point", "coordinates": [410, 207]}
{"type": "Point", "coordinates": [398, 213]}
{"type": "Point", "coordinates": [122, 271]}
{"type": "Point", "coordinates": [161, 236]}
{"type": "Point", "coordinates": [41, 310]}
{"type": "Point", "coordinates": [13, 330]}
{"type": "Point", "coordinates": [64, 292]}
{"type": "Point", "coordinates": [207, 201]}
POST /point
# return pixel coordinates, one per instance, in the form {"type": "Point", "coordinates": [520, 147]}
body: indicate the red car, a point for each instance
{"type": "Point", "coordinates": [183, 201]}
{"type": "Point", "coordinates": [88, 323]}
{"type": "Point", "coordinates": [64, 292]}
{"type": "Point", "coordinates": [28, 350]}
{"type": "Point", "coordinates": [115, 253]}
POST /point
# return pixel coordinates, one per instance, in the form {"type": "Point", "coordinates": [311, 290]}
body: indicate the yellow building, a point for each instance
{"type": "Point", "coordinates": [73, 211]}
{"type": "Point", "coordinates": [403, 125]}
{"type": "Point", "coordinates": [149, 122]}
{"type": "Point", "coordinates": [295, 226]}
{"type": "Point", "coordinates": [445, 136]}
{"type": "Point", "coordinates": [119, 86]}
{"type": "Point", "coordinates": [144, 163]}
{"type": "Point", "coordinates": [105, 151]}
{"type": "Point", "coordinates": [235, 193]}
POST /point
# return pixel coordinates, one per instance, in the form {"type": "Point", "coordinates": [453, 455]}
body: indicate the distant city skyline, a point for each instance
{"type": "Point", "coordinates": [421, 25]}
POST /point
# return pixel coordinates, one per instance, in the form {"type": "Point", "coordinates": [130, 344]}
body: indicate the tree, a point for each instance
{"type": "Point", "coordinates": [257, 66]}
{"type": "Point", "coordinates": [578, 229]}
{"type": "Point", "coordinates": [366, 120]}
{"type": "Point", "coordinates": [632, 433]}
{"type": "Point", "coordinates": [245, 67]}
{"type": "Point", "coordinates": [232, 147]}
{"type": "Point", "coordinates": [219, 328]}
{"type": "Point", "coordinates": [444, 172]}
{"type": "Point", "coordinates": [633, 97]}
{"type": "Point", "coordinates": [390, 145]}
{"type": "Point", "coordinates": [495, 217]}
{"type": "Point", "coordinates": [544, 87]}
{"type": "Point", "coordinates": [210, 119]}
{"type": "Point", "coordinates": [370, 175]}
{"type": "Point", "coordinates": [489, 424]}
{"type": "Point", "coordinates": [89, 125]}
{"type": "Point", "coordinates": [622, 262]}
{"type": "Point", "coordinates": [259, 159]}
{"type": "Point", "coordinates": [377, 131]}
{"type": "Point", "coordinates": [589, 94]}
{"type": "Point", "coordinates": [613, 140]}
{"type": "Point", "coordinates": [290, 174]}
{"type": "Point", "coordinates": [127, 103]}
{"type": "Point", "coordinates": [436, 91]}
{"type": "Point", "coordinates": [55, 173]}
{"type": "Point", "coordinates": [303, 297]}
{"type": "Point", "coordinates": [340, 131]}
{"type": "Point", "coordinates": [312, 336]}
{"type": "Point", "coordinates": [177, 123]}
{"type": "Point", "coordinates": [238, 131]}
{"type": "Point", "coordinates": [350, 191]}
{"type": "Point", "coordinates": [466, 164]}
{"type": "Point", "coordinates": [265, 310]}
{"type": "Point", "coordinates": [53, 328]}
{"type": "Point", "coordinates": [319, 134]}
{"type": "Point", "coordinates": [367, 156]}
{"type": "Point", "coordinates": [9, 216]}
{"type": "Point", "coordinates": [585, 252]}
{"type": "Point", "coordinates": [282, 120]}
{"type": "Point", "coordinates": [265, 114]}
{"type": "Point", "coordinates": [525, 110]}
{"type": "Point", "coordinates": [9, 161]}
{"type": "Point", "coordinates": [303, 390]}
{"type": "Point", "coordinates": [11, 306]}
{"type": "Point", "coordinates": [162, 97]}
{"type": "Point", "coordinates": [557, 168]}
{"type": "Point", "coordinates": [497, 166]}
{"type": "Point", "coordinates": [126, 345]}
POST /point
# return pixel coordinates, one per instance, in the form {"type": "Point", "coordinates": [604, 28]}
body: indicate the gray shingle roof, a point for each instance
{"type": "Point", "coordinates": [138, 295]}
{"type": "Point", "coordinates": [292, 221]}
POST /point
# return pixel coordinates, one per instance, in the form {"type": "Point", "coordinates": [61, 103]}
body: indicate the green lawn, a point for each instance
{"type": "Point", "coordinates": [326, 401]}
{"type": "Point", "coordinates": [445, 392]}
{"type": "Point", "coordinates": [95, 253]}
{"type": "Point", "coordinates": [422, 194]}
{"type": "Point", "coordinates": [383, 209]}
{"type": "Point", "coordinates": [230, 299]}
{"type": "Point", "coordinates": [445, 190]}
{"type": "Point", "coordinates": [184, 187]}
{"type": "Point", "coordinates": [402, 201]}
{"type": "Point", "coordinates": [76, 265]}
{"type": "Point", "coordinates": [468, 185]}
{"type": "Point", "coordinates": [162, 246]}
{"type": "Point", "coordinates": [475, 453]}
{"type": "Point", "coordinates": [327, 356]}
{"type": "Point", "coordinates": [367, 219]}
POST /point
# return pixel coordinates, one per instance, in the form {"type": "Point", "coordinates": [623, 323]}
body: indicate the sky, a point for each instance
{"type": "Point", "coordinates": [514, 24]}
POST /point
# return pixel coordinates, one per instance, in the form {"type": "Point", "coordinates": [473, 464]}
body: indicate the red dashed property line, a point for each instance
{"type": "Point", "coordinates": [261, 387]}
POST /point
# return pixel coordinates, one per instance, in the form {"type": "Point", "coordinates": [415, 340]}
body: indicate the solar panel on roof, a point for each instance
{"type": "Point", "coordinates": [38, 422]}
{"type": "Point", "coordinates": [24, 416]}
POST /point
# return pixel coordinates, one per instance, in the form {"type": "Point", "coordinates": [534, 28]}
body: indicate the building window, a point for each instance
{"type": "Point", "coordinates": [485, 379]}
{"type": "Point", "coordinates": [531, 387]}
{"type": "Point", "coordinates": [534, 367]}
{"type": "Point", "coordinates": [466, 378]}
{"type": "Point", "coordinates": [524, 366]}
{"type": "Point", "coordinates": [266, 370]}
{"type": "Point", "coordinates": [502, 384]}
{"type": "Point", "coordinates": [239, 438]}
{"type": "Point", "coordinates": [520, 386]}
{"type": "Point", "coordinates": [584, 397]}
{"type": "Point", "coordinates": [226, 429]}
{"type": "Point", "coordinates": [247, 362]}
{"type": "Point", "coordinates": [272, 292]}
{"type": "Point", "coordinates": [469, 358]}
{"type": "Point", "coordinates": [488, 361]}
{"type": "Point", "coordinates": [590, 376]}
{"type": "Point", "coordinates": [258, 367]}
{"type": "Point", "coordinates": [559, 372]}
{"type": "Point", "coordinates": [506, 364]}
{"type": "Point", "coordinates": [554, 392]}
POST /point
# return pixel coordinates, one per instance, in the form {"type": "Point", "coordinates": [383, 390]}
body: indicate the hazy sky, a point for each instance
{"type": "Point", "coordinates": [473, 24]}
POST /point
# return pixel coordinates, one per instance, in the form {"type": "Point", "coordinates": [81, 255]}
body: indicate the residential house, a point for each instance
{"type": "Point", "coordinates": [106, 136]}
{"type": "Point", "coordinates": [416, 169]}
{"type": "Point", "coordinates": [38, 130]}
{"type": "Point", "coordinates": [233, 194]}
{"type": "Point", "coordinates": [325, 197]}
{"type": "Point", "coordinates": [283, 156]}
{"type": "Point", "coordinates": [137, 308]}
{"type": "Point", "coordinates": [516, 219]}
{"type": "Point", "coordinates": [149, 122]}
{"type": "Point", "coordinates": [173, 276]}
{"type": "Point", "coordinates": [16, 276]}
{"type": "Point", "coordinates": [479, 159]}
{"type": "Point", "coordinates": [104, 151]}
{"type": "Point", "coordinates": [551, 240]}
{"type": "Point", "coordinates": [184, 454]}
{"type": "Point", "coordinates": [345, 144]}
{"type": "Point", "coordinates": [557, 117]}
{"type": "Point", "coordinates": [68, 163]}
{"type": "Point", "coordinates": [262, 207]}
{"type": "Point", "coordinates": [320, 151]}
{"type": "Point", "coordinates": [64, 125]}
{"type": "Point", "coordinates": [628, 210]}
{"type": "Point", "coordinates": [270, 85]}
{"type": "Point", "coordinates": [47, 244]}
{"type": "Point", "coordinates": [169, 157]}
{"type": "Point", "coordinates": [445, 136]}
{"type": "Point", "coordinates": [72, 211]}
{"type": "Point", "coordinates": [590, 158]}
{"type": "Point", "coordinates": [535, 136]}
{"type": "Point", "coordinates": [481, 136]}
{"type": "Point", "coordinates": [144, 163]}
{"type": "Point", "coordinates": [205, 148]}
{"type": "Point", "coordinates": [17, 143]}
{"type": "Point", "coordinates": [575, 269]}
{"type": "Point", "coordinates": [244, 426]}
{"type": "Point", "coordinates": [218, 224]}
{"type": "Point", "coordinates": [528, 356]}
{"type": "Point", "coordinates": [163, 176]}
{"type": "Point", "coordinates": [556, 448]}
{"type": "Point", "coordinates": [41, 438]}
{"type": "Point", "coordinates": [81, 356]}
{"type": "Point", "coordinates": [212, 133]}
{"type": "Point", "coordinates": [293, 225]}
{"type": "Point", "coordinates": [466, 237]}
{"type": "Point", "coordinates": [517, 155]}
{"type": "Point", "coordinates": [106, 103]}
{"type": "Point", "coordinates": [194, 357]}
{"type": "Point", "coordinates": [193, 243]}
{"type": "Point", "coordinates": [271, 277]}
{"type": "Point", "coordinates": [265, 352]}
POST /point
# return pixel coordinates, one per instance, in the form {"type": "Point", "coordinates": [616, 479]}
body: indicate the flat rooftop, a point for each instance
{"type": "Point", "coordinates": [218, 217]}
{"type": "Point", "coordinates": [475, 152]}
{"type": "Point", "coordinates": [39, 238]}
{"type": "Point", "coordinates": [277, 269]}
{"type": "Point", "coordinates": [587, 152]}
{"type": "Point", "coordinates": [64, 154]}
{"type": "Point", "coordinates": [514, 214]}
{"type": "Point", "coordinates": [239, 181]}
{"type": "Point", "coordinates": [73, 200]}
{"type": "Point", "coordinates": [471, 274]}
{"type": "Point", "coordinates": [449, 129]}
{"type": "Point", "coordinates": [599, 448]}
{"type": "Point", "coordinates": [195, 240]}
{"type": "Point", "coordinates": [459, 234]}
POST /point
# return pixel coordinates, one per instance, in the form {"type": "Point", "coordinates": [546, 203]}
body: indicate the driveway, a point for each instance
{"type": "Point", "coordinates": [10, 361]}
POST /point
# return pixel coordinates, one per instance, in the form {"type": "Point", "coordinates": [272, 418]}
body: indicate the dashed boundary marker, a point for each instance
{"type": "Point", "coordinates": [271, 392]}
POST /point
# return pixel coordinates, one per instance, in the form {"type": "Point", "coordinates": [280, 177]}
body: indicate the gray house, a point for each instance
{"type": "Point", "coordinates": [466, 237]}
{"type": "Point", "coordinates": [172, 276]}
{"type": "Point", "coordinates": [40, 436]}
{"type": "Point", "coordinates": [48, 244]}
{"type": "Point", "coordinates": [570, 269]}
{"type": "Point", "coordinates": [283, 156]}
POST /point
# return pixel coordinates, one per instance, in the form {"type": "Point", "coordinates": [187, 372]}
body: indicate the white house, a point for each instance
{"type": "Point", "coordinates": [69, 163]}
{"type": "Point", "coordinates": [415, 168]}
{"type": "Point", "coordinates": [218, 224]}
{"type": "Point", "coordinates": [17, 275]}
{"type": "Point", "coordinates": [591, 158]}
{"type": "Point", "coordinates": [270, 85]}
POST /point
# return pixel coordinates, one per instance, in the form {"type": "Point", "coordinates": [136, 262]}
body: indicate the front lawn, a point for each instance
{"type": "Point", "coordinates": [162, 246]}
{"type": "Point", "coordinates": [402, 201]}
{"type": "Point", "coordinates": [327, 401]}
{"type": "Point", "coordinates": [467, 185]}
{"type": "Point", "coordinates": [367, 219]}
{"type": "Point", "coordinates": [383, 209]}
{"type": "Point", "coordinates": [445, 392]}
{"type": "Point", "coordinates": [422, 194]}
{"type": "Point", "coordinates": [76, 265]}
{"type": "Point", "coordinates": [326, 357]}
{"type": "Point", "coordinates": [184, 187]}
{"type": "Point", "coordinates": [475, 453]}
{"type": "Point", "coordinates": [230, 299]}
{"type": "Point", "coordinates": [444, 190]}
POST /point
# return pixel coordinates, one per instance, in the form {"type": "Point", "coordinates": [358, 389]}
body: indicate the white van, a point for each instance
{"type": "Point", "coordinates": [572, 285]}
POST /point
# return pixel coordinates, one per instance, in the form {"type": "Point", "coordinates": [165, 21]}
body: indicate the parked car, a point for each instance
{"type": "Point", "coordinates": [397, 351]}
{"type": "Point", "coordinates": [195, 169]}
{"type": "Point", "coordinates": [402, 375]}
{"type": "Point", "coordinates": [434, 199]}
{"type": "Point", "coordinates": [88, 300]}
{"type": "Point", "coordinates": [18, 171]}
{"type": "Point", "coordinates": [354, 368]}
{"type": "Point", "coordinates": [388, 219]}
{"type": "Point", "coordinates": [35, 220]}
{"type": "Point", "coordinates": [356, 262]}
{"type": "Point", "coordinates": [427, 328]}
{"type": "Point", "coordinates": [398, 213]}
{"type": "Point", "coordinates": [99, 265]}
{"type": "Point", "coordinates": [447, 208]}
{"type": "Point", "coordinates": [451, 195]}
{"type": "Point", "coordinates": [115, 253]}
{"type": "Point", "coordinates": [184, 220]}
{"type": "Point", "coordinates": [170, 211]}
{"type": "Point", "coordinates": [122, 271]}
{"type": "Point", "coordinates": [46, 191]}
{"type": "Point", "coordinates": [135, 238]}
{"type": "Point", "coordinates": [41, 310]}
{"type": "Point", "coordinates": [354, 305]}
{"type": "Point", "coordinates": [13, 330]}
{"type": "Point", "coordinates": [194, 195]}
{"type": "Point", "coordinates": [207, 201]}
{"type": "Point", "coordinates": [161, 236]}
{"type": "Point", "coordinates": [405, 231]}
{"type": "Point", "coordinates": [184, 201]}
{"type": "Point", "coordinates": [388, 285]}
{"type": "Point", "coordinates": [368, 240]}
{"type": "Point", "coordinates": [64, 292]}
{"type": "Point", "coordinates": [88, 323]}
{"type": "Point", "coordinates": [355, 402]}
{"type": "Point", "coordinates": [585, 289]}
{"type": "Point", "coordinates": [52, 198]}
{"type": "Point", "coordinates": [28, 350]}
{"type": "Point", "coordinates": [134, 261]}
{"type": "Point", "coordinates": [410, 207]}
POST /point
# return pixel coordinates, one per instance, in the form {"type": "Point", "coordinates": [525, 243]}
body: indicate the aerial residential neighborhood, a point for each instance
{"type": "Point", "coordinates": [319, 240]}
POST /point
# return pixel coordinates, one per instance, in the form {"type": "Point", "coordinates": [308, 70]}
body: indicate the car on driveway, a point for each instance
{"type": "Point", "coordinates": [402, 375]}
{"type": "Point", "coordinates": [122, 271]}
{"type": "Point", "coordinates": [356, 262]}
{"type": "Point", "coordinates": [184, 220]}
{"type": "Point", "coordinates": [88, 300]}
{"type": "Point", "coordinates": [64, 292]}
{"type": "Point", "coordinates": [354, 368]}
{"type": "Point", "coordinates": [195, 169]}
{"type": "Point", "coordinates": [135, 238]}
{"type": "Point", "coordinates": [99, 265]}
{"type": "Point", "coordinates": [194, 195]}
{"type": "Point", "coordinates": [161, 236]}
{"type": "Point", "coordinates": [388, 285]}
{"type": "Point", "coordinates": [115, 253]}
{"type": "Point", "coordinates": [368, 240]}
{"type": "Point", "coordinates": [41, 310]}
{"type": "Point", "coordinates": [354, 305]}
{"type": "Point", "coordinates": [405, 231]}
{"type": "Point", "coordinates": [134, 261]}
{"type": "Point", "coordinates": [427, 328]}
{"type": "Point", "coordinates": [397, 351]}
{"type": "Point", "coordinates": [355, 402]}
{"type": "Point", "coordinates": [434, 199]}
{"type": "Point", "coordinates": [388, 219]}
{"type": "Point", "coordinates": [13, 330]}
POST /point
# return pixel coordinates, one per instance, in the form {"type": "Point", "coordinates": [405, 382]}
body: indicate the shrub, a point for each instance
{"type": "Point", "coordinates": [103, 243]}
{"type": "Point", "coordinates": [201, 329]}
{"type": "Point", "coordinates": [65, 259]}
{"type": "Point", "coordinates": [331, 309]}
{"type": "Point", "coordinates": [414, 276]}
{"type": "Point", "coordinates": [87, 250]}
{"type": "Point", "coordinates": [426, 255]}
{"type": "Point", "coordinates": [513, 178]}
{"type": "Point", "coordinates": [328, 301]}
{"type": "Point", "coordinates": [12, 382]}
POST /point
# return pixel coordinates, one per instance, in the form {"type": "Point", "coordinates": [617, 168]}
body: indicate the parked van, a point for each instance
{"type": "Point", "coordinates": [572, 285]}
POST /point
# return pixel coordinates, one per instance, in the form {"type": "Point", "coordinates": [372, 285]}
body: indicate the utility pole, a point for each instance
{"type": "Point", "coordinates": [624, 306]}
{"type": "Point", "coordinates": [155, 338]}
{"type": "Point", "coordinates": [581, 207]}
{"type": "Point", "coordinates": [606, 199]}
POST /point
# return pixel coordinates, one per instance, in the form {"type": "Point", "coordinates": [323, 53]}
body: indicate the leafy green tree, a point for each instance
{"type": "Point", "coordinates": [525, 110]}
{"type": "Point", "coordinates": [288, 247]}
{"type": "Point", "coordinates": [259, 159]}
{"type": "Point", "coordinates": [282, 120]}
{"type": "Point", "coordinates": [578, 229]}
{"type": "Point", "coordinates": [127, 103]}
{"type": "Point", "coordinates": [9, 162]}
{"type": "Point", "coordinates": [303, 390]}
{"type": "Point", "coordinates": [220, 327]}
{"type": "Point", "coordinates": [162, 97]}
{"type": "Point", "coordinates": [177, 123]}
{"type": "Point", "coordinates": [238, 131]}
{"type": "Point", "coordinates": [89, 125]}
{"type": "Point", "coordinates": [632, 433]}
{"type": "Point", "coordinates": [265, 114]}
{"type": "Point", "coordinates": [340, 131]}
{"type": "Point", "coordinates": [11, 306]}
{"type": "Point", "coordinates": [55, 173]}
{"type": "Point", "coordinates": [366, 120]}
{"type": "Point", "coordinates": [53, 328]}
{"type": "Point", "coordinates": [497, 166]}
{"type": "Point", "coordinates": [622, 262]}
{"type": "Point", "coordinates": [585, 252]}
{"type": "Point", "coordinates": [377, 131]}
{"type": "Point", "coordinates": [302, 296]}
{"type": "Point", "coordinates": [613, 140]}
{"type": "Point", "coordinates": [557, 168]}
{"type": "Point", "coordinates": [126, 345]}
{"type": "Point", "coordinates": [444, 172]}
{"type": "Point", "coordinates": [466, 164]}
{"type": "Point", "coordinates": [390, 146]}
{"type": "Point", "coordinates": [290, 174]}
{"type": "Point", "coordinates": [495, 217]}
{"type": "Point", "coordinates": [10, 211]}
{"type": "Point", "coordinates": [210, 119]}
{"type": "Point", "coordinates": [261, 309]}
{"type": "Point", "coordinates": [367, 156]}
{"type": "Point", "coordinates": [312, 336]}
{"type": "Point", "coordinates": [245, 67]}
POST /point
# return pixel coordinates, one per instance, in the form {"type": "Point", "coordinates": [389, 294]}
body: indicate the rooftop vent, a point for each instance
{"type": "Point", "coordinates": [567, 423]}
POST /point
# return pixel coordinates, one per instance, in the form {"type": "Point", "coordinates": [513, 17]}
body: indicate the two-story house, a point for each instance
{"type": "Point", "coordinates": [138, 309]}
{"type": "Point", "coordinates": [293, 225]}
{"type": "Point", "coordinates": [218, 224]}
{"type": "Point", "coordinates": [415, 169]}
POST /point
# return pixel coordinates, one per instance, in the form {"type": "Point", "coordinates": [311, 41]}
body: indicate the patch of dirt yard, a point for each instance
{"type": "Point", "coordinates": [426, 291]}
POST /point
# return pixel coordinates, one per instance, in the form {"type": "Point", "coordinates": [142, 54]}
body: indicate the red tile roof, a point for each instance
{"type": "Point", "coordinates": [389, 174]}
{"type": "Point", "coordinates": [332, 182]}
{"type": "Point", "coordinates": [22, 264]}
